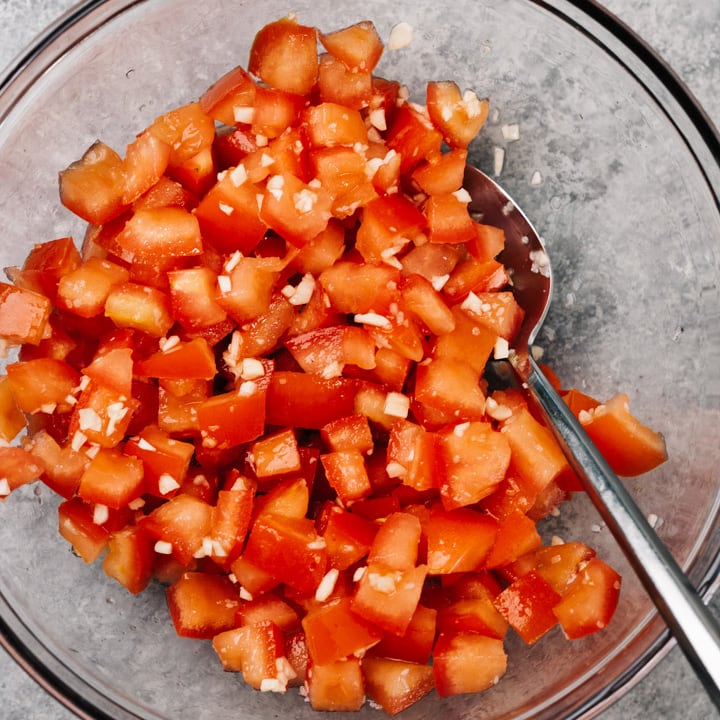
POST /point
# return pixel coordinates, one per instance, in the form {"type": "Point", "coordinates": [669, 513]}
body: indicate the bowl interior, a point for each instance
{"type": "Point", "coordinates": [610, 169]}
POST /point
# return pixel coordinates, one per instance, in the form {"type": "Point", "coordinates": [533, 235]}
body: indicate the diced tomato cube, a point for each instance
{"type": "Point", "coordinates": [451, 386]}
{"type": "Point", "coordinates": [458, 540]}
{"type": "Point", "coordinates": [165, 460]}
{"type": "Point", "coordinates": [245, 292]}
{"type": "Point", "coordinates": [630, 447]}
{"type": "Point", "coordinates": [183, 522]}
{"type": "Point", "coordinates": [193, 359]}
{"type": "Point", "coordinates": [276, 454]}
{"type": "Point", "coordinates": [289, 549]}
{"type": "Point", "coordinates": [329, 124]}
{"type": "Point", "coordinates": [468, 341]}
{"type": "Point", "coordinates": [202, 605]}
{"type": "Point", "coordinates": [536, 455]}
{"type": "Point", "coordinates": [94, 186]}
{"type": "Point", "coordinates": [43, 385]}
{"type": "Point", "coordinates": [284, 55]}
{"type": "Point", "coordinates": [296, 211]}
{"type": "Point", "coordinates": [24, 315]}
{"type": "Point", "coordinates": [334, 632]}
{"type": "Point", "coordinates": [76, 525]}
{"type": "Point", "coordinates": [396, 543]}
{"type": "Point", "coordinates": [165, 232]}
{"type": "Point", "coordinates": [130, 558]}
{"type": "Point", "coordinates": [339, 84]}
{"type": "Point", "coordinates": [395, 685]}
{"type": "Point", "coordinates": [186, 129]}
{"type": "Point", "coordinates": [358, 46]}
{"type": "Point", "coordinates": [12, 420]}
{"type": "Point", "coordinates": [269, 606]}
{"type": "Point", "coordinates": [448, 219]}
{"type": "Point", "coordinates": [258, 652]}
{"type": "Point", "coordinates": [45, 265]}
{"type": "Point", "coordinates": [527, 604]}
{"type": "Point", "coordinates": [228, 213]}
{"type": "Point", "coordinates": [85, 290]}
{"type": "Point", "coordinates": [234, 89]}
{"type": "Point", "coordinates": [360, 288]}
{"type": "Point", "coordinates": [517, 535]}
{"type": "Point", "coordinates": [192, 292]}
{"type": "Point", "coordinates": [415, 644]}
{"type": "Point", "coordinates": [348, 433]}
{"type": "Point", "coordinates": [389, 597]}
{"type": "Point", "coordinates": [498, 311]}
{"type": "Point", "coordinates": [458, 116]}
{"type": "Point", "coordinates": [236, 417]}
{"type": "Point", "coordinates": [426, 304]}
{"type": "Point", "coordinates": [442, 173]}
{"type": "Point", "coordinates": [336, 686]}
{"type": "Point", "coordinates": [467, 662]}
{"type": "Point", "coordinates": [17, 467]}
{"type": "Point", "coordinates": [476, 458]}
{"type": "Point", "coordinates": [346, 472]}
{"type": "Point", "coordinates": [111, 479]}
{"type": "Point", "coordinates": [411, 134]}
{"type": "Point", "coordinates": [347, 536]}
{"type": "Point", "coordinates": [307, 400]}
{"type": "Point", "coordinates": [139, 307]}
{"type": "Point", "coordinates": [590, 600]}
{"type": "Point", "coordinates": [146, 160]}
{"type": "Point", "coordinates": [63, 466]}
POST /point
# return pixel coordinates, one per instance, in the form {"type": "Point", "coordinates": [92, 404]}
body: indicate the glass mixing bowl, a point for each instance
{"type": "Point", "coordinates": [619, 170]}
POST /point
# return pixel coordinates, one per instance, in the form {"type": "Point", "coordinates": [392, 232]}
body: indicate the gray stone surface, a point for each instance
{"type": "Point", "coordinates": [686, 34]}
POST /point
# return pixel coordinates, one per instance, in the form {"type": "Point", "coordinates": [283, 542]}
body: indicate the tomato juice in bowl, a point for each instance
{"type": "Point", "coordinates": [608, 369]}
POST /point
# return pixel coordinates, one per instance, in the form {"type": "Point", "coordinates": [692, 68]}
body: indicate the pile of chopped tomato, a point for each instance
{"type": "Point", "coordinates": [260, 381]}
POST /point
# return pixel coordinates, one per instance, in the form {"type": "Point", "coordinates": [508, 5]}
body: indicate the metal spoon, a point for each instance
{"type": "Point", "coordinates": [694, 628]}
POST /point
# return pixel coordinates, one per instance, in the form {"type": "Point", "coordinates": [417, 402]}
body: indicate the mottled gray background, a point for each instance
{"type": "Point", "coordinates": [687, 34]}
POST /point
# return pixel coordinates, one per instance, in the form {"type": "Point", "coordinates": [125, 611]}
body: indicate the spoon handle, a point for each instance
{"type": "Point", "coordinates": [694, 628]}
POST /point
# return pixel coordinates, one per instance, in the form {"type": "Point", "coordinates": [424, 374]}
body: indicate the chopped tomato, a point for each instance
{"type": "Point", "coordinates": [261, 382]}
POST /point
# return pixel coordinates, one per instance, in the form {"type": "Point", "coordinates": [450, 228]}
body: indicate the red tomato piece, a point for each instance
{"type": "Point", "coordinates": [146, 160]}
{"type": "Point", "coordinates": [337, 686]}
{"type": "Point", "coordinates": [451, 386]}
{"type": "Point", "coordinates": [396, 543]}
{"type": "Point", "coordinates": [289, 549]}
{"type": "Point", "coordinates": [517, 535]}
{"type": "Point", "coordinates": [458, 116]}
{"type": "Point", "coordinates": [94, 186]}
{"type": "Point", "coordinates": [589, 601]}
{"type": "Point", "coordinates": [498, 311]}
{"type": "Point", "coordinates": [346, 472]}
{"type": "Point", "coordinates": [284, 55]}
{"type": "Point", "coordinates": [360, 288]}
{"type": "Point", "coordinates": [347, 536]}
{"type": "Point", "coordinates": [276, 454]}
{"type": "Point", "coordinates": [296, 211]}
{"type": "Point", "coordinates": [139, 307]}
{"type": "Point", "coordinates": [467, 662]}
{"type": "Point", "coordinates": [17, 467]}
{"type": "Point", "coordinates": [308, 401]}
{"type": "Point", "coordinates": [412, 135]}
{"type": "Point", "coordinates": [236, 417]}
{"type": "Point", "coordinates": [235, 89]}
{"type": "Point", "coordinates": [187, 130]}
{"type": "Point", "coordinates": [330, 124]}
{"type": "Point", "coordinates": [202, 605]}
{"type": "Point", "coordinates": [183, 522]}
{"type": "Point", "coordinates": [85, 290]}
{"type": "Point", "coordinates": [192, 297]}
{"type": "Point", "coordinates": [12, 420]}
{"type": "Point", "coordinates": [458, 540]}
{"type": "Point", "coordinates": [111, 479]}
{"type": "Point", "coordinates": [415, 644]}
{"type": "Point", "coordinates": [129, 559]}
{"type": "Point", "coordinates": [358, 46]}
{"type": "Point", "coordinates": [258, 652]}
{"type": "Point", "coordinates": [76, 525]}
{"type": "Point", "coordinates": [527, 604]}
{"type": "Point", "coordinates": [339, 84]}
{"type": "Point", "coordinates": [396, 685]}
{"type": "Point", "coordinates": [334, 632]}
{"type": "Point", "coordinates": [164, 232]}
{"type": "Point", "coordinates": [193, 359]}
{"type": "Point", "coordinates": [24, 315]}
{"type": "Point", "coordinates": [630, 447]}
{"type": "Point", "coordinates": [43, 385]}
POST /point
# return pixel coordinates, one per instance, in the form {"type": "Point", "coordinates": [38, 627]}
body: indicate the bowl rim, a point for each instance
{"type": "Point", "coordinates": [51, 44]}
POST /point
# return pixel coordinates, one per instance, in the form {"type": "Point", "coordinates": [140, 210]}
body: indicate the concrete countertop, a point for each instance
{"type": "Point", "coordinates": [685, 33]}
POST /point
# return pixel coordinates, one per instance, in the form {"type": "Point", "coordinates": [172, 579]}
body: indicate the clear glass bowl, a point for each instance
{"type": "Point", "coordinates": [627, 201]}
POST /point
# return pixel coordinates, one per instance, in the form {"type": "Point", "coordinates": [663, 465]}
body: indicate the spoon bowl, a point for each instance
{"type": "Point", "coordinates": [530, 271]}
